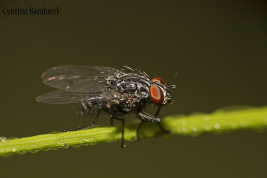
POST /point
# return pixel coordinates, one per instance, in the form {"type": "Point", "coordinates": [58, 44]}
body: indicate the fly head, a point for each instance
{"type": "Point", "coordinates": [160, 92]}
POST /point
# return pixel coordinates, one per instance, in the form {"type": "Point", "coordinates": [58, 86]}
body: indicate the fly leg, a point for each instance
{"type": "Point", "coordinates": [111, 121]}
{"type": "Point", "coordinates": [145, 118]}
{"type": "Point", "coordinates": [137, 130]}
{"type": "Point", "coordinates": [113, 116]}
{"type": "Point", "coordinates": [84, 127]}
{"type": "Point", "coordinates": [159, 124]}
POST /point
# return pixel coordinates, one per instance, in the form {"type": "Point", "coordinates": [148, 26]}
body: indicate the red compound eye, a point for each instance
{"type": "Point", "coordinates": [156, 94]}
{"type": "Point", "coordinates": [159, 81]}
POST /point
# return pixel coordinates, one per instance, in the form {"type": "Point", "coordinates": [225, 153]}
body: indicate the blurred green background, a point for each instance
{"type": "Point", "coordinates": [219, 48]}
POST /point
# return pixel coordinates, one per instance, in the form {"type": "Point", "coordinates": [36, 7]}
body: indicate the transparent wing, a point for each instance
{"type": "Point", "coordinates": [63, 97]}
{"type": "Point", "coordinates": [78, 78]}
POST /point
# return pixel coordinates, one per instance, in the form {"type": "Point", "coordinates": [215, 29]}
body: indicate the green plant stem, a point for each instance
{"type": "Point", "coordinates": [194, 124]}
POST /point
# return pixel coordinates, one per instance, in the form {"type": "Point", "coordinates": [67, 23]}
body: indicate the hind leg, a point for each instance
{"type": "Point", "coordinates": [84, 127]}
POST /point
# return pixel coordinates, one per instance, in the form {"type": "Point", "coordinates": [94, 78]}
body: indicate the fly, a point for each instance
{"type": "Point", "coordinates": [116, 92]}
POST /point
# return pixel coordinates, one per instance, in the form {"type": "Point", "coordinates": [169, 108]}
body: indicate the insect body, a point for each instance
{"type": "Point", "coordinates": [113, 91]}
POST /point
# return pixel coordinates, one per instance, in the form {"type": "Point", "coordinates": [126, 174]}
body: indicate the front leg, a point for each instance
{"type": "Point", "coordinates": [147, 118]}
{"type": "Point", "coordinates": [159, 124]}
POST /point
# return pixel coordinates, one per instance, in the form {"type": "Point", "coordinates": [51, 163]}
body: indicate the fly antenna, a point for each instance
{"type": "Point", "coordinates": [173, 86]}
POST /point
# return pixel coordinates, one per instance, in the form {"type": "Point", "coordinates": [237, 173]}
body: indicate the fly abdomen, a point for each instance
{"type": "Point", "coordinates": [93, 104]}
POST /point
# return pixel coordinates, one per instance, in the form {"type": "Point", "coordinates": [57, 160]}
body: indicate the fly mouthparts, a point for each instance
{"type": "Point", "coordinates": [172, 86]}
